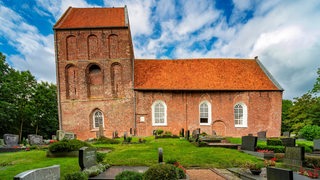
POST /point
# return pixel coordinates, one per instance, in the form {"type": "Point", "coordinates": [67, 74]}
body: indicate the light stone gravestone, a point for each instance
{"type": "Point", "coordinates": [87, 157]}
{"type": "Point", "coordinates": [262, 135]}
{"type": "Point", "coordinates": [35, 139]}
{"type": "Point", "coordinates": [294, 156]}
{"type": "Point", "coordinates": [160, 155]}
{"type": "Point", "coordinates": [249, 143]}
{"type": "Point", "coordinates": [47, 173]}
{"type": "Point", "coordinates": [65, 135]}
{"type": "Point", "coordinates": [316, 144]}
{"type": "Point", "coordinates": [11, 140]}
{"type": "Point", "coordinates": [125, 136]}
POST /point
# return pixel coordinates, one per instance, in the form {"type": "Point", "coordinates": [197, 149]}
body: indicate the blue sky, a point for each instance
{"type": "Point", "coordinates": [284, 34]}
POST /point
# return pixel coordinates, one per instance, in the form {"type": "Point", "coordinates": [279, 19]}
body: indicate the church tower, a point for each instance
{"type": "Point", "coordinates": [94, 59]}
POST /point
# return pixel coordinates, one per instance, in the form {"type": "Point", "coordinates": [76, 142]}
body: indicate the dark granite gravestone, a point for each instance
{"type": "Point", "coordinates": [249, 143]}
{"type": "Point", "coordinates": [182, 132]}
{"type": "Point", "coordinates": [160, 155]}
{"type": "Point", "coordinates": [187, 134]}
{"type": "Point", "coordinates": [278, 173]}
{"type": "Point", "coordinates": [11, 140]}
{"type": "Point", "coordinates": [35, 139]}
{"type": "Point", "coordinates": [47, 173]}
{"type": "Point", "coordinates": [87, 157]}
{"type": "Point", "coordinates": [286, 134]}
{"type": "Point", "coordinates": [316, 144]}
{"type": "Point", "coordinates": [262, 135]}
{"type": "Point", "coordinates": [125, 136]}
{"type": "Point", "coordinates": [288, 142]}
{"type": "Point", "coordinates": [294, 156]}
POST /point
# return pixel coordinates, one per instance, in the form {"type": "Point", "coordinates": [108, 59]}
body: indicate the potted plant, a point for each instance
{"type": "Point", "coordinates": [255, 168]}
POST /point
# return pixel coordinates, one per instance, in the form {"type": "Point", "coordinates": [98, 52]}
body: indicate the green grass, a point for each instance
{"type": "Point", "coordinates": [134, 154]}
{"type": "Point", "coordinates": [18, 162]}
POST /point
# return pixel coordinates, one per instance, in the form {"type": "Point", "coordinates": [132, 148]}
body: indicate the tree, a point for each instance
{"type": "Point", "coordinates": [316, 86]}
{"type": "Point", "coordinates": [286, 105]}
{"type": "Point", "coordinates": [45, 116]}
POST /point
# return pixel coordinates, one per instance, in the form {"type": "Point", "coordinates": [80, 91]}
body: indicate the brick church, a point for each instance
{"type": "Point", "coordinates": [101, 83]}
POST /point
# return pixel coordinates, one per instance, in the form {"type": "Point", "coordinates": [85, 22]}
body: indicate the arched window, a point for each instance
{"type": "Point", "coordinates": [71, 82]}
{"type": "Point", "coordinates": [240, 115]}
{"type": "Point", "coordinates": [97, 119]}
{"type": "Point", "coordinates": [159, 113]}
{"type": "Point", "coordinates": [94, 81]}
{"type": "Point", "coordinates": [71, 47]}
{"type": "Point", "coordinates": [205, 113]}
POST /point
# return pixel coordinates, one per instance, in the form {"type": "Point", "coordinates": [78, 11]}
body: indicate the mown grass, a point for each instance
{"type": "Point", "coordinates": [298, 141]}
{"type": "Point", "coordinates": [134, 154]}
{"type": "Point", "coordinates": [12, 164]}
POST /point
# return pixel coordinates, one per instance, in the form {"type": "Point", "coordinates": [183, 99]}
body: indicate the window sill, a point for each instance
{"type": "Point", "coordinates": [205, 124]}
{"type": "Point", "coordinates": [96, 130]}
{"type": "Point", "coordinates": [240, 126]}
{"type": "Point", "coordinates": [159, 125]}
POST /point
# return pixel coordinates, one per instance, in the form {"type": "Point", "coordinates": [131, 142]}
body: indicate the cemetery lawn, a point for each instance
{"type": "Point", "coordinates": [135, 154]}
{"type": "Point", "coordinates": [14, 163]}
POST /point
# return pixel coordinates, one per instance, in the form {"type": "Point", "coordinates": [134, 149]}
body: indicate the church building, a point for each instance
{"type": "Point", "coordinates": [101, 83]}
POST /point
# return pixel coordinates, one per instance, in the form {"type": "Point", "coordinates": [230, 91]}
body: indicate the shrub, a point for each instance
{"type": "Point", "coordinates": [95, 170]}
{"type": "Point", "coordinates": [310, 132]}
{"type": "Point", "coordinates": [161, 172]}
{"type": "Point", "coordinates": [100, 157]}
{"type": "Point", "coordinates": [307, 148]}
{"type": "Point", "coordinates": [274, 142]}
{"type": "Point", "coordinates": [167, 133]}
{"type": "Point", "coordinates": [129, 175]}
{"type": "Point", "coordinates": [171, 161]}
{"type": "Point", "coordinates": [67, 145]}
{"type": "Point", "coordinates": [76, 176]}
{"type": "Point", "coordinates": [180, 173]}
{"type": "Point", "coordinates": [105, 140]}
{"type": "Point", "coordinates": [275, 149]}
{"type": "Point", "coordinates": [312, 161]}
{"type": "Point", "coordinates": [128, 140]}
{"type": "Point", "coordinates": [159, 132]}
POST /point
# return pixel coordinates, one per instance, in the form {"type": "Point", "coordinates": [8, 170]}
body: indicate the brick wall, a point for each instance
{"type": "Point", "coordinates": [264, 112]}
{"type": "Point", "coordinates": [94, 71]}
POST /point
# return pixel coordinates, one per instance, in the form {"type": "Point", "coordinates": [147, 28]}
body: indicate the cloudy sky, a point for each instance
{"type": "Point", "coordinates": [284, 34]}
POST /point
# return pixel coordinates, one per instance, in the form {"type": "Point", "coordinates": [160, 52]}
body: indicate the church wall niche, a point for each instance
{"type": "Point", "coordinates": [116, 79]}
{"type": "Point", "coordinates": [94, 81]}
{"type": "Point", "coordinates": [93, 48]}
{"type": "Point", "coordinates": [71, 81]}
{"type": "Point", "coordinates": [71, 47]}
{"type": "Point", "coordinates": [113, 44]}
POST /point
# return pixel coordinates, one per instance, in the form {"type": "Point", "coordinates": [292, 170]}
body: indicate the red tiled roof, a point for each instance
{"type": "Point", "coordinates": [92, 18]}
{"type": "Point", "coordinates": [201, 74]}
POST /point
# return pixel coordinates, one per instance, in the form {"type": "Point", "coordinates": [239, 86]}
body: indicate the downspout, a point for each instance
{"type": "Point", "coordinates": [57, 80]}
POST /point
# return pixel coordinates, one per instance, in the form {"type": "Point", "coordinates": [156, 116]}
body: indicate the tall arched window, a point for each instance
{"type": "Point", "coordinates": [240, 115]}
{"type": "Point", "coordinates": [71, 47]}
{"type": "Point", "coordinates": [98, 119]}
{"type": "Point", "coordinates": [159, 113]}
{"type": "Point", "coordinates": [205, 113]}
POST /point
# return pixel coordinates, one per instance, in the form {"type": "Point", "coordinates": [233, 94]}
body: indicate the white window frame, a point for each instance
{"type": "Point", "coordinates": [209, 112]}
{"type": "Point", "coordinates": [94, 120]}
{"type": "Point", "coordinates": [153, 113]}
{"type": "Point", "coordinates": [244, 116]}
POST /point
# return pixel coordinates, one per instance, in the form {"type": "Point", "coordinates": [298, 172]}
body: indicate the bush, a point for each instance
{"type": "Point", "coordinates": [307, 148]}
{"type": "Point", "coordinates": [105, 140]}
{"type": "Point", "coordinates": [129, 175]}
{"type": "Point", "coordinates": [67, 145]}
{"type": "Point", "coordinates": [312, 161]}
{"type": "Point", "coordinates": [96, 170]}
{"type": "Point", "coordinates": [275, 149]}
{"type": "Point", "coordinates": [274, 142]}
{"type": "Point", "coordinates": [76, 176]}
{"type": "Point", "coordinates": [310, 132]}
{"type": "Point", "coordinates": [100, 157]}
{"type": "Point", "coordinates": [128, 140]}
{"type": "Point", "coordinates": [158, 132]}
{"type": "Point", "coordinates": [171, 161]}
{"type": "Point", "coordinates": [161, 172]}
{"type": "Point", "coordinates": [167, 133]}
{"type": "Point", "coordinates": [180, 173]}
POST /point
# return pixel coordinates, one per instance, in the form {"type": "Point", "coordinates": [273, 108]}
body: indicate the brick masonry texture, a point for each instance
{"type": "Point", "coordinates": [95, 71]}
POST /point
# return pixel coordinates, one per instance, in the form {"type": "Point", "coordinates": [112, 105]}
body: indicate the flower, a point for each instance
{"type": "Point", "coordinates": [271, 162]}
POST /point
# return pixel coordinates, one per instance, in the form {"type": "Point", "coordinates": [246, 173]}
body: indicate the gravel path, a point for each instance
{"type": "Point", "coordinates": [210, 174]}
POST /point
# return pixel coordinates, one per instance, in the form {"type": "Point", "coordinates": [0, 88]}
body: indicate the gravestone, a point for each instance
{"type": "Point", "coordinates": [286, 134]}
{"type": "Point", "coordinates": [100, 131]}
{"type": "Point", "coordinates": [262, 135]}
{"type": "Point", "coordinates": [61, 134]}
{"type": "Point", "coordinates": [249, 143]}
{"type": "Point", "coordinates": [47, 173]}
{"type": "Point", "coordinates": [1, 142]}
{"type": "Point", "coordinates": [11, 140]}
{"type": "Point", "coordinates": [54, 137]}
{"type": "Point", "coordinates": [187, 134]}
{"type": "Point", "coordinates": [125, 136]}
{"type": "Point", "coordinates": [160, 155]}
{"type": "Point", "coordinates": [288, 142]}
{"type": "Point", "coordinates": [154, 132]}
{"type": "Point", "coordinates": [294, 156]}
{"type": "Point", "coordinates": [316, 144]}
{"type": "Point", "coordinates": [87, 157]}
{"type": "Point", "coordinates": [130, 131]}
{"type": "Point", "coordinates": [279, 173]}
{"type": "Point", "coordinates": [35, 139]}
{"type": "Point", "coordinates": [182, 132]}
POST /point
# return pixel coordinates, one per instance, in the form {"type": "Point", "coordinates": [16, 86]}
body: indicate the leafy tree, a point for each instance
{"type": "Point", "coordinates": [286, 105]}
{"type": "Point", "coordinates": [316, 86]}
